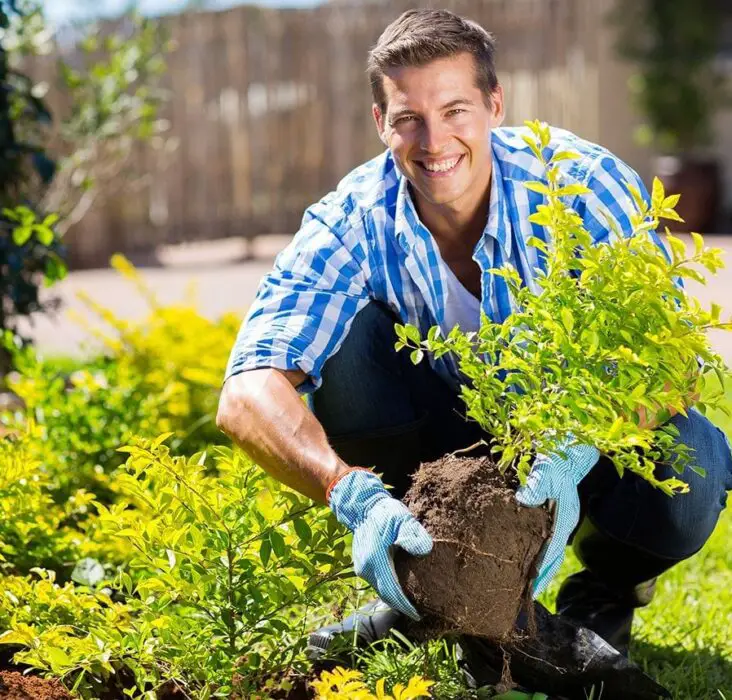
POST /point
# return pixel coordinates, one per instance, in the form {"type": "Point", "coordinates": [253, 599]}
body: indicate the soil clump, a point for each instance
{"type": "Point", "coordinates": [16, 686]}
{"type": "Point", "coordinates": [485, 551]}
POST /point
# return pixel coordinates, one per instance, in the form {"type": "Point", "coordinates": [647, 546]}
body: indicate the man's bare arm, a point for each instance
{"type": "Point", "coordinates": [261, 411]}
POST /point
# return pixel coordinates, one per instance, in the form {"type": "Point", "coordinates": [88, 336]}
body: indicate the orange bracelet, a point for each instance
{"type": "Point", "coordinates": [340, 476]}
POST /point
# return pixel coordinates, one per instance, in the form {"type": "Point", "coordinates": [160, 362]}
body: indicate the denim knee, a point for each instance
{"type": "Point", "coordinates": [679, 526]}
{"type": "Point", "coordinates": [363, 388]}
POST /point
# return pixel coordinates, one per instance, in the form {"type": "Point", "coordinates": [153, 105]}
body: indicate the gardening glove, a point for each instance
{"type": "Point", "coordinates": [378, 522]}
{"type": "Point", "coordinates": [555, 478]}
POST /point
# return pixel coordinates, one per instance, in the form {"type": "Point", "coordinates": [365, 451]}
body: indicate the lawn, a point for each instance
{"type": "Point", "coordinates": [684, 638]}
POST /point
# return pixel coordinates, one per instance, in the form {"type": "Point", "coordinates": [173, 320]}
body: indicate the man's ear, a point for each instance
{"type": "Point", "coordinates": [497, 107]}
{"type": "Point", "coordinates": [380, 123]}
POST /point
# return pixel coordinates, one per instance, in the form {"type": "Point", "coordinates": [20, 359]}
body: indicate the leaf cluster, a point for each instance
{"type": "Point", "coordinates": [227, 571]}
{"type": "Point", "coordinates": [113, 103]}
{"type": "Point", "coordinates": [153, 376]}
{"type": "Point", "coordinates": [606, 331]}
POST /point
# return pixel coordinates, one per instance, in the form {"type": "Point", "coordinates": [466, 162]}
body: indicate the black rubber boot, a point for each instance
{"type": "Point", "coordinates": [335, 642]}
{"type": "Point", "coordinates": [617, 579]}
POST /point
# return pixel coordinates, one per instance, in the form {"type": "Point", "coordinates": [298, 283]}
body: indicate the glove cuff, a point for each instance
{"type": "Point", "coordinates": [339, 477]}
{"type": "Point", "coordinates": [352, 494]}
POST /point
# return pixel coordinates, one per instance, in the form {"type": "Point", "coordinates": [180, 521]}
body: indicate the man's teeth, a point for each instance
{"type": "Point", "coordinates": [441, 167]}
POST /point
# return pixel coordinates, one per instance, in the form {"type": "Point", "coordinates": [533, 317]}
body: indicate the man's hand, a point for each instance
{"type": "Point", "coordinates": [555, 478]}
{"type": "Point", "coordinates": [378, 522]}
{"type": "Point", "coordinates": [653, 420]}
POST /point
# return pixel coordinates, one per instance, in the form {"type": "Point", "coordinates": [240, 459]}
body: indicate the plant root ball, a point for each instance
{"type": "Point", "coordinates": [485, 549]}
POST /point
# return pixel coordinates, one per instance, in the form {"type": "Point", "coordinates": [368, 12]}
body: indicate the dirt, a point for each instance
{"type": "Point", "coordinates": [485, 549]}
{"type": "Point", "coordinates": [16, 686]}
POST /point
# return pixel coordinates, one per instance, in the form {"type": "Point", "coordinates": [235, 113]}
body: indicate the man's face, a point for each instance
{"type": "Point", "coordinates": [437, 125]}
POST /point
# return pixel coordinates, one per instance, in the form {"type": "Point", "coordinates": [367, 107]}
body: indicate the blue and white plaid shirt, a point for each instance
{"type": "Point", "coordinates": [365, 242]}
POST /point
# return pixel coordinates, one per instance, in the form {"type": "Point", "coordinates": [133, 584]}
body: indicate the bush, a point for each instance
{"type": "Point", "coordinates": [228, 569]}
{"type": "Point", "coordinates": [159, 375]}
{"type": "Point", "coordinates": [572, 362]}
{"type": "Point", "coordinates": [35, 531]}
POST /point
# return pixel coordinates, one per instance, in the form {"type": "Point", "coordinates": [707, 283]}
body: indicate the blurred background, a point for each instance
{"type": "Point", "coordinates": [190, 136]}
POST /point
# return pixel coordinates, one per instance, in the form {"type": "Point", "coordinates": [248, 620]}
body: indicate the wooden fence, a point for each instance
{"type": "Point", "coordinates": [271, 108]}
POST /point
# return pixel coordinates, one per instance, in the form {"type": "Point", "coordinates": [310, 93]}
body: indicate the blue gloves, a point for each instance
{"type": "Point", "coordinates": [378, 522]}
{"type": "Point", "coordinates": [555, 478]}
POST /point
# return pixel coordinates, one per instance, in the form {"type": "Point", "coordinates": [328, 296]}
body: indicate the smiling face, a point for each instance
{"type": "Point", "coordinates": [438, 124]}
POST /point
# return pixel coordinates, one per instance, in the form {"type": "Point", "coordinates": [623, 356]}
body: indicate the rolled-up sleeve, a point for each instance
{"type": "Point", "coordinates": [608, 180]}
{"type": "Point", "coordinates": [305, 306]}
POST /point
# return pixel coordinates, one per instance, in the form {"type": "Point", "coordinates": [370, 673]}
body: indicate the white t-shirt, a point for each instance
{"type": "Point", "coordinates": [461, 307]}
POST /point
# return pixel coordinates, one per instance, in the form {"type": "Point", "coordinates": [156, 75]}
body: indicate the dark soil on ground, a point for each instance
{"type": "Point", "coordinates": [16, 686]}
{"type": "Point", "coordinates": [485, 549]}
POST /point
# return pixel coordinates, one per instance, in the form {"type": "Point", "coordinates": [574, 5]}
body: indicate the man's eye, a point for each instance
{"type": "Point", "coordinates": [457, 110]}
{"type": "Point", "coordinates": [403, 120]}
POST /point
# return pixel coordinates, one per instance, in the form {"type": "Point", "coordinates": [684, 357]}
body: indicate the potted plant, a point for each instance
{"type": "Point", "coordinates": [678, 89]}
{"type": "Point", "coordinates": [570, 361]}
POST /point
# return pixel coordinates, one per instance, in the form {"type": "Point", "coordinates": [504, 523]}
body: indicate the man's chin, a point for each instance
{"type": "Point", "coordinates": [434, 197]}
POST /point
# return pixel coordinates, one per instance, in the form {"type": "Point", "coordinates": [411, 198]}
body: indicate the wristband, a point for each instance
{"type": "Point", "coordinates": [339, 477]}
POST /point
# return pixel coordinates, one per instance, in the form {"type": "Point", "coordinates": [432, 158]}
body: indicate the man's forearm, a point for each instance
{"type": "Point", "coordinates": [263, 413]}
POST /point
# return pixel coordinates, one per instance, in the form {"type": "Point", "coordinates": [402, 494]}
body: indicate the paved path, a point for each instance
{"type": "Point", "coordinates": [225, 284]}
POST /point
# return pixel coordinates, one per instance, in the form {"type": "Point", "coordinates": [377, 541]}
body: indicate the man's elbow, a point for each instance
{"type": "Point", "coordinates": [230, 409]}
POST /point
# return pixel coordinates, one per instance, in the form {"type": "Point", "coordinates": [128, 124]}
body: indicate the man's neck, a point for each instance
{"type": "Point", "coordinates": [457, 229]}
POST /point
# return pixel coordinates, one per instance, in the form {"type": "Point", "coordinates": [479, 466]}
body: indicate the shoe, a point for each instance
{"type": "Point", "coordinates": [617, 579]}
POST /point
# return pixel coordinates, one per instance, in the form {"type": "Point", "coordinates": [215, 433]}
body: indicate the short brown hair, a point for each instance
{"type": "Point", "coordinates": [419, 37]}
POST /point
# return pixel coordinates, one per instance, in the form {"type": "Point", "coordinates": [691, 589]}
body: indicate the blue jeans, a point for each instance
{"type": "Point", "coordinates": [378, 409]}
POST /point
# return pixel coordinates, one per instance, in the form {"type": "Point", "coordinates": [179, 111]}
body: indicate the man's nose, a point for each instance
{"type": "Point", "coordinates": [434, 136]}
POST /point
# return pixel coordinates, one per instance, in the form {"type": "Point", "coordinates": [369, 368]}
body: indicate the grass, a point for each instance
{"type": "Point", "coordinates": [684, 637]}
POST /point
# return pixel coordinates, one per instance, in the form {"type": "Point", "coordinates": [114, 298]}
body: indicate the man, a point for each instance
{"type": "Point", "coordinates": [410, 236]}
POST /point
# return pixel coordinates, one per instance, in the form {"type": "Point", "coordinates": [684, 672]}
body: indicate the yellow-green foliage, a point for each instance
{"type": "Point", "coordinates": [227, 569]}
{"type": "Point", "coordinates": [605, 333]}
{"type": "Point", "coordinates": [57, 624]}
{"type": "Point", "coordinates": [34, 530]}
{"type": "Point", "coordinates": [158, 375]}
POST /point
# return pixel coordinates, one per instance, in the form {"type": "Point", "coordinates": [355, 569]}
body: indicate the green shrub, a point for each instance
{"type": "Point", "coordinates": [34, 530]}
{"type": "Point", "coordinates": [228, 571]}
{"type": "Point", "coordinates": [607, 333]}
{"type": "Point", "coordinates": [161, 374]}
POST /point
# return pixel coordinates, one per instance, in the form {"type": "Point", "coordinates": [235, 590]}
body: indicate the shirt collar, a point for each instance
{"type": "Point", "coordinates": [498, 226]}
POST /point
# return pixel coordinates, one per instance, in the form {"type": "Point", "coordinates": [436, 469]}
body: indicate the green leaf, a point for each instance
{"type": "Point", "coordinates": [565, 155]}
{"type": "Point", "coordinates": [416, 356]}
{"type": "Point", "coordinates": [594, 341]}
{"type": "Point", "coordinates": [412, 334]}
{"type": "Point", "coordinates": [638, 200]}
{"type": "Point", "coordinates": [303, 530]}
{"type": "Point", "coordinates": [657, 194]}
{"type": "Point", "coordinates": [265, 549]}
{"type": "Point", "coordinates": [638, 392]}
{"type": "Point", "coordinates": [44, 234]}
{"type": "Point", "coordinates": [572, 190]}
{"type": "Point", "coordinates": [57, 658]}
{"type": "Point", "coordinates": [678, 249]}
{"type": "Point", "coordinates": [541, 218]}
{"type": "Point", "coordinates": [567, 319]}
{"type": "Point", "coordinates": [534, 148]}
{"type": "Point", "coordinates": [278, 543]}
{"type": "Point", "coordinates": [21, 234]}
